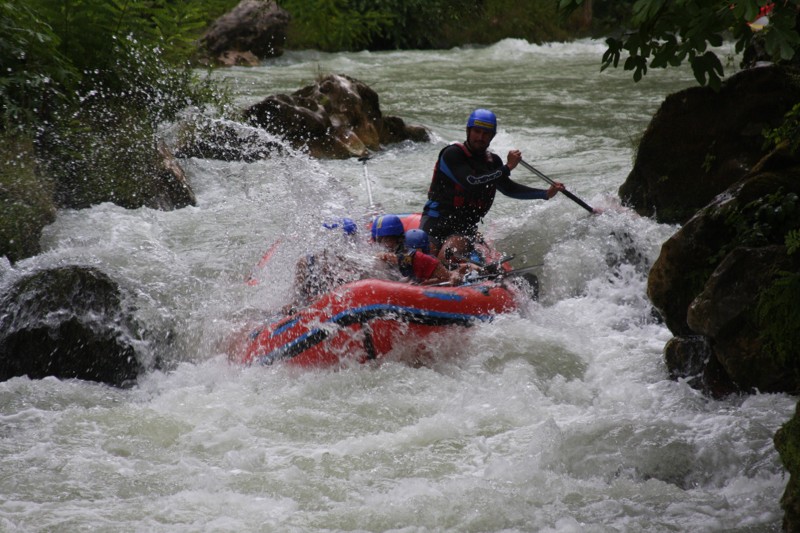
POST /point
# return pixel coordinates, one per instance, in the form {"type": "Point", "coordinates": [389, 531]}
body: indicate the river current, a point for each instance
{"type": "Point", "coordinates": [558, 418]}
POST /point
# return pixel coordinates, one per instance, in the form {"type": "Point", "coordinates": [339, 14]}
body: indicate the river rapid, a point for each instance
{"type": "Point", "coordinates": [557, 418]}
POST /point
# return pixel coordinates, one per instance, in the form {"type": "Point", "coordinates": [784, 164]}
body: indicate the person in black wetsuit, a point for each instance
{"type": "Point", "coordinates": [465, 179]}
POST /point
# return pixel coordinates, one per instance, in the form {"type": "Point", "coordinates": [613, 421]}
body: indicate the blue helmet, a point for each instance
{"type": "Point", "coordinates": [387, 226]}
{"type": "Point", "coordinates": [417, 239]}
{"type": "Point", "coordinates": [484, 119]}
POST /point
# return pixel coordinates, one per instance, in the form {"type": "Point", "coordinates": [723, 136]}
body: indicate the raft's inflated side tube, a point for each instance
{"type": "Point", "coordinates": [362, 320]}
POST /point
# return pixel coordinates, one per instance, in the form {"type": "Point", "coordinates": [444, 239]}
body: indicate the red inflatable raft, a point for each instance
{"type": "Point", "coordinates": [364, 320]}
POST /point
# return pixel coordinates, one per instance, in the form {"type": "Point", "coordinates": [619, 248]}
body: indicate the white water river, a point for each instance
{"type": "Point", "coordinates": [560, 418]}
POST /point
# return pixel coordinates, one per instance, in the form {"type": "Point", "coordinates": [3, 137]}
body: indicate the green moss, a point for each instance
{"type": "Point", "coordinates": [787, 442]}
{"type": "Point", "coordinates": [708, 162]}
{"type": "Point", "coordinates": [793, 241]}
{"type": "Point", "coordinates": [788, 133]}
{"type": "Point", "coordinates": [762, 222]}
{"type": "Point", "coordinates": [778, 313]}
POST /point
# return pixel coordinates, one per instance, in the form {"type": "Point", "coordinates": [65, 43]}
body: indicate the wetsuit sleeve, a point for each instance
{"type": "Point", "coordinates": [519, 191]}
{"type": "Point", "coordinates": [424, 266]}
{"type": "Point", "coordinates": [453, 163]}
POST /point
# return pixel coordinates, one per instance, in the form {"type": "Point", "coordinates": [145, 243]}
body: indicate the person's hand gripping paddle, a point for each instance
{"type": "Point", "coordinates": [563, 191]}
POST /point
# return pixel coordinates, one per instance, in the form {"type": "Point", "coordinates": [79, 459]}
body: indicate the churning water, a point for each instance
{"type": "Point", "coordinates": [559, 418]}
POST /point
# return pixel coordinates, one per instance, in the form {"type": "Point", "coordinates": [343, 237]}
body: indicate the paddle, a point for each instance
{"type": "Point", "coordinates": [564, 191]}
{"type": "Point", "coordinates": [251, 279]}
{"type": "Point", "coordinates": [372, 207]}
{"type": "Point", "coordinates": [502, 273]}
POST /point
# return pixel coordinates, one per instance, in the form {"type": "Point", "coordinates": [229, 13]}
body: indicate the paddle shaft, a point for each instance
{"type": "Point", "coordinates": [366, 181]}
{"type": "Point", "coordinates": [251, 279]}
{"type": "Point", "coordinates": [565, 191]}
{"type": "Point", "coordinates": [507, 273]}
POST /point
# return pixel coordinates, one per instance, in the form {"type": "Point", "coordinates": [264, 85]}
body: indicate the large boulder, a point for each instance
{"type": "Point", "coordinates": [712, 275]}
{"type": "Point", "coordinates": [337, 117]}
{"type": "Point", "coordinates": [70, 322]}
{"type": "Point", "coordinates": [117, 157]}
{"type": "Point", "coordinates": [725, 313]}
{"type": "Point", "coordinates": [253, 30]}
{"type": "Point", "coordinates": [787, 442]}
{"type": "Point", "coordinates": [700, 142]}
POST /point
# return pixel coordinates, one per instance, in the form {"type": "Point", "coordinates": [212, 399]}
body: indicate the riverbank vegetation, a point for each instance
{"type": "Point", "coordinates": [86, 83]}
{"type": "Point", "coordinates": [419, 24]}
{"type": "Point", "coordinates": [84, 87]}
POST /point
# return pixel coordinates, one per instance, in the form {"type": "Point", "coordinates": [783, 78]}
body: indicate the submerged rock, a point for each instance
{"type": "Point", "coordinates": [226, 141]}
{"type": "Point", "coordinates": [70, 322]}
{"type": "Point", "coordinates": [175, 191]}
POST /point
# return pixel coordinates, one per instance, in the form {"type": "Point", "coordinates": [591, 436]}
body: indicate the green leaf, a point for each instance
{"type": "Point", "coordinates": [695, 27]}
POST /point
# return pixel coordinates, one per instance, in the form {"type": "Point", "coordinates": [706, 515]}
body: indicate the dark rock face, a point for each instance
{"type": "Point", "coordinates": [68, 322]}
{"type": "Point", "coordinates": [173, 187]}
{"type": "Point", "coordinates": [226, 141]}
{"type": "Point", "coordinates": [337, 117]}
{"type": "Point", "coordinates": [682, 267]}
{"type": "Point", "coordinates": [710, 277]}
{"type": "Point", "coordinates": [691, 358]}
{"type": "Point", "coordinates": [787, 442]}
{"type": "Point", "coordinates": [727, 283]}
{"type": "Point", "coordinates": [701, 142]}
{"type": "Point", "coordinates": [254, 29]}
{"type": "Point", "coordinates": [724, 313]}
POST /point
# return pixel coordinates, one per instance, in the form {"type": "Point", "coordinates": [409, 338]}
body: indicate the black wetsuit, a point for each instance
{"type": "Point", "coordinates": [462, 191]}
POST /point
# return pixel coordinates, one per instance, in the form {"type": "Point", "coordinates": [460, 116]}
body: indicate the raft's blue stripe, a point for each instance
{"type": "Point", "coordinates": [367, 311]}
{"type": "Point", "coordinates": [284, 327]}
{"type": "Point", "coordinates": [275, 354]}
{"type": "Point", "coordinates": [405, 311]}
{"type": "Point", "coordinates": [443, 296]}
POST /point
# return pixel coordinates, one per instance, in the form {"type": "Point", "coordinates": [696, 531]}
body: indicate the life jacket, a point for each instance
{"type": "Point", "coordinates": [446, 197]}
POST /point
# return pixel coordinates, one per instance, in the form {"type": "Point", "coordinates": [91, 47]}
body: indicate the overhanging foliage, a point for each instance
{"type": "Point", "coordinates": [666, 33]}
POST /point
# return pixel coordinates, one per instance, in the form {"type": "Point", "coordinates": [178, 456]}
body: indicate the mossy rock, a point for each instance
{"type": "Point", "coordinates": [787, 442]}
{"type": "Point", "coordinates": [26, 200]}
{"type": "Point", "coordinates": [109, 155]}
{"type": "Point", "coordinates": [757, 211]}
{"type": "Point", "coordinates": [700, 142]}
{"type": "Point", "coordinates": [70, 322]}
